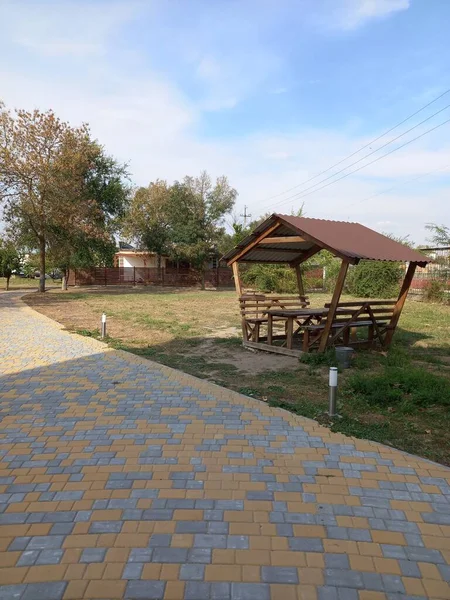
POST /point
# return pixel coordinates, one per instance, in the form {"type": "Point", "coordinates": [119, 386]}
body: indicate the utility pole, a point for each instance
{"type": "Point", "coordinates": [245, 216]}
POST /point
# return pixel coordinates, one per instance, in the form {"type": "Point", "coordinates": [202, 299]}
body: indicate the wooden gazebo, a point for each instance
{"type": "Point", "coordinates": [290, 240]}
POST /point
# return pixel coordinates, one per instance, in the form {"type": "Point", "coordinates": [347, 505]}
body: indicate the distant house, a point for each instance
{"type": "Point", "coordinates": [128, 256]}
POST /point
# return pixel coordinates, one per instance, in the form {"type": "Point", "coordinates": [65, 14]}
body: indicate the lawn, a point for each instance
{"type": "Point", "coordinates": [20, 283]}
{"type": "Point", "coordinates": [401, 398]}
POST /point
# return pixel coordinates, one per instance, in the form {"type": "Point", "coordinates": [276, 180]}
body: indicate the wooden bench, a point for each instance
{"type": "Point", "coordinates": [254, 309]}
{"type": "Point", "coordinates": [375, 315]}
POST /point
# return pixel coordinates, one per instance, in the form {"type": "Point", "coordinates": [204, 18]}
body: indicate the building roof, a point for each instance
{"type": "Point", "coordinates": [350, 241]}
{"type": "Point", "coordinates": [125, 246]}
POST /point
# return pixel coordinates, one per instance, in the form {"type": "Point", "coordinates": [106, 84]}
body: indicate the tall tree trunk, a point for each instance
{"type": "Point", "coordinates": [158, 263]}
{"type": "Point", "coordinates": [203, 277]}
{"type": "Point", "coordinates": [8, 277]}
{"type": "Point", "coordinates": [65, 279]}
{"type": "Point", "coordinates": [41, 264]}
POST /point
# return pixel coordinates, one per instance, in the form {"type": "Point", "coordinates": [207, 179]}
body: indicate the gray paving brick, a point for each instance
{"type": "Point", "coordinates": [220, 591]}
{"type": "Point", "coordinates": [49, 557]}
{"type": "Point", "coordinates": [344, 578]}
{"type": "Point", "coordinates": [42, 542]}
{"type": "Point", "coordinates": [279, 575]}
{"type": "Point", "coordinates": [28, 558]}
{"type": "Point", "coordinates": [200, 555]}
{"type": "Point", "coordinates": [192, 572]}
{"type": "Point", "coordinates": [328, 593]}
{"type": "Point", "coordinates": [409, 568]}
{"type": "Point", "coordinates": [19, 543]}
{"type": "Point", "coordinates": [145, 590]}
{"type": "Point", "coordinates": [191, 527]}
{"type": "Point", "coordinates": [210, 541]}
{"type": "Point", "coordinates": [44, 591]}
{"type": "Point", "coordinates": [93, 555]}
{"type": "Point", "coordinates": [11, 592]}
{"type": "Point", "coordinates": [336, 561]}
{"type": "Point", "coordinates": [160, 539]}
{"type": "Point", "coordinates": [305, 544]}
{"type": "Point", "coordinates": [132, 570]}
{"type": "Point", "coordinates": [250, 591]}
{"type": "Point", "coordinates": [140, 555]}
{"type": "Point", "coordinates": [196, 590]}
{"type": "Point", "coordinates": [105, 527]}
{"type": "Point", "coordinates": [170, 555]}
{"type": "Point", "coordinates": [237, 542]}
{"type": "Point", "coordinates": [393, 583]}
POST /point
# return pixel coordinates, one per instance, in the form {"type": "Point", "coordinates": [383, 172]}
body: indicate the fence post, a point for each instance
{"type": "Point", "coordinates": [162, 276]}
{"type": "Point", "coordinates": [218, 277]}
{"type": "Point", "coordinates": [106, 277]}
{"type": "Point", "coordinates": [134, 276]}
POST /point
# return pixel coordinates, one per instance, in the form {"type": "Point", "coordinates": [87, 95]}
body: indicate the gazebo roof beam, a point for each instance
{"type": "Point", "coordinates": [286, 239]}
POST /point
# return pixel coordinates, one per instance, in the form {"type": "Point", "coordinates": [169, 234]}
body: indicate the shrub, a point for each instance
{"type": "Point", "coordinates": [374, 279]}
{"type": "Point", "coordinates": [271, 278]}
{"type": "Point", "coordinates": [436, 291]}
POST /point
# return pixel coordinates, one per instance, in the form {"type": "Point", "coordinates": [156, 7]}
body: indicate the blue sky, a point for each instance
{"type": "Point", "coordinates": [268, 92]}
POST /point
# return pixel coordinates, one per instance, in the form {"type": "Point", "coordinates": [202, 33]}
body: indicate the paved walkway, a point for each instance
{"type": "Point", "coordinates": [120, 478]}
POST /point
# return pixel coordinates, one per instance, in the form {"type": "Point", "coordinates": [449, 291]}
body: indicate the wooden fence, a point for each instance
{"type": "Point", "coordinates": [216, 278]}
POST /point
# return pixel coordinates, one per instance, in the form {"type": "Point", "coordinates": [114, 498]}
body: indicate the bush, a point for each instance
{"type": "Point", "coordinates": [374, 279]}
{"type": "Point", "coordinates": [436, 291]}
{"type": "Point", "coordinates": [271, 278]}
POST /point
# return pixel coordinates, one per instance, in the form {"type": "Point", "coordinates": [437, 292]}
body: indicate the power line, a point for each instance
{"type": "Point", "coordinates": [302, 195]}
{"type": "Point", "coordinates": [362, 148]}
{"type": "Point", "coordinates": [370, 153]}
{"type": "Point", "coordinates": [396, 186]}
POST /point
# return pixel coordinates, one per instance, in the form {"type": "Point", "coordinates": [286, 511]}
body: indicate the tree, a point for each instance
{"type": "Point", "coordinates": [81, 247]}
{"type": "Point", "coordinates": [10, 260]}
{"type": "Point", "coordinates": [59, 188]}
{"type": "Point", "coordinates": [440, 234]}
{"type": "Point", "coordinates": [147, 220]}
{"type": "Point", "coordinates": [196, 211]}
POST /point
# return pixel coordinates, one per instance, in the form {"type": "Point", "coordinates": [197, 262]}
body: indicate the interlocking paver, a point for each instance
{"type": "Point", "coordinates": [121, 478]}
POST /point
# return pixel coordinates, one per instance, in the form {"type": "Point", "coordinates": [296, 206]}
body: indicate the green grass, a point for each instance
{"type": "Point", "coordinates": [400, 398]}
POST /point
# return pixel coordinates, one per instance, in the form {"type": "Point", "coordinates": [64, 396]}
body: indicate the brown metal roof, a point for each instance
{"type": "Point", "coordinates": [346, 240]}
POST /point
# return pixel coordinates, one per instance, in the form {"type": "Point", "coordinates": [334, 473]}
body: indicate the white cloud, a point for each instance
{"type": "Point", "coordinates": [351, 14]}
{"type": "Point", "coordinates": [54, 29]}
{"type": "Point", "coordinates": [143, 118]}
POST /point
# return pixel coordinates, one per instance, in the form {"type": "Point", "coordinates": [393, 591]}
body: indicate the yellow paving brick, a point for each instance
{"type": "Point", "coordinates": [151, 571]}
{"type": "Point", "coordinates": [429, 571]}
{"type": "Point", "coordinates": [387, 565]}
{"type": "Point", "coordinates": [282, 592]}
{"type": "Point", "coordinates": [106, 589]}
{"type": "Point", "coordinates": [281, 558]}
{"type": "Point", "coordinates": [251, 574]}
{"type": "Point", "coordinates": [174, 590]}
{"type": "Point", "coordinates": [388, 537]}
{"type": "Point", "coordinates": [361, 563]}
{"type": "Point", "coordinates": [45, 573]}
{"type": "Point", "coordinates": [75, 590]}
{"type": "Point", "coordinates": [311, 576]}
{"type": "Point", "coordinates": [12, 575]}
{"type": "Point", "coordinates": [223, 573]}
{"type": "Point", "coordinates": [436, 589]}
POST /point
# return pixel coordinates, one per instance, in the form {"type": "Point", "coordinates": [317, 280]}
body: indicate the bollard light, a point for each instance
{"type": "Point", "coordinates": [103, 325]}
{"type": "Point", "coordinates": [333, 380]}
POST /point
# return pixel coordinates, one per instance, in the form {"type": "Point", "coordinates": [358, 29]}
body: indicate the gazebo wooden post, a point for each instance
{"type": "Point", "coordinates": [400, 304]}
{"type": "Point", "coordinates": [237, 279]}
{"type": "Point", "coordinates": [298, 273]}
{"type": "Point", "coordinates": [333, 305]}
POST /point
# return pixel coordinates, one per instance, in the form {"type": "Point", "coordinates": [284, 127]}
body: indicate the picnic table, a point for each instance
{"type": "Point", "coordinates": [301, 316]}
